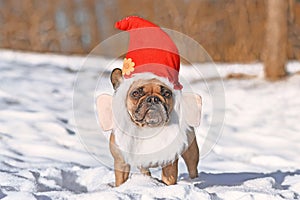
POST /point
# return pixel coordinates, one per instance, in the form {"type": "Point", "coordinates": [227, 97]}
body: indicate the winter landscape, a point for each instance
{"type": "Point", "coordinates": [43, 156]}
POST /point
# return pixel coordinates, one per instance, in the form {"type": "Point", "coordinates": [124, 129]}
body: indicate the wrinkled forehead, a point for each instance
{"type": "Point", "coordinates": [148, 83]}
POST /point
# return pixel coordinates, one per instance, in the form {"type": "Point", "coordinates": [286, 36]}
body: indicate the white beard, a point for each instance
{"type": "Point", "coordinates": [145, 146]}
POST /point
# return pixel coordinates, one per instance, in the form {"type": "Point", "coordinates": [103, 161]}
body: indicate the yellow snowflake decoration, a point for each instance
{"type": "Point", "coordinates": [128, 66]}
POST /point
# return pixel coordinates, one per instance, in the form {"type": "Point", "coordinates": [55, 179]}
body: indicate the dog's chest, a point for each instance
{"type": "Point", "coordinates": [153, 146]}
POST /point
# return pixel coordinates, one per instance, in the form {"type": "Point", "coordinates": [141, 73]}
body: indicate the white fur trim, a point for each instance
{"type": "Point", "coordinates": [146, 147]}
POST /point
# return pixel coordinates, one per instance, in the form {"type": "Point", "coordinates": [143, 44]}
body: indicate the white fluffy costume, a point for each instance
{"type": "Point", "coordinates": [144, 146]}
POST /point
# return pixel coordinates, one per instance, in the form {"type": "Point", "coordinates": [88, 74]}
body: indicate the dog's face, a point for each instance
{"type": "Point", "coordinates": [149, 102]}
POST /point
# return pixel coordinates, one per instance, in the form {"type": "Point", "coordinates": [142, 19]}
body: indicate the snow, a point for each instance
{"type": "Point", "coordinates": [46, 154]}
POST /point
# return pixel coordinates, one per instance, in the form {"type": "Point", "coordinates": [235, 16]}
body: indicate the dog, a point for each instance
{"type": "Point", "coordinates": [150, 118]}
{"type": "Point", "coordinates": [151, 125]}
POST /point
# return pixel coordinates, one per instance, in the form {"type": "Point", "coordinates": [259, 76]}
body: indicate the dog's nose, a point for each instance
{"type": "Point", "coordinates": [153, 99]}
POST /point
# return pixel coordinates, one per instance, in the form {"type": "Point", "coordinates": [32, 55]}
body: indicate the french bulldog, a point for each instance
{"type": "Point", "coordinates": [151, 125]}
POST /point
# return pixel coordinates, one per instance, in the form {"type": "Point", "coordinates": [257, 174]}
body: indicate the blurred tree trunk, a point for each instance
{"type": "Point", "coordinates": [276, 39]}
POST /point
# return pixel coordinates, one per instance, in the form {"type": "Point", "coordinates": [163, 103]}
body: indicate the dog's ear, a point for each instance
{"type": "Point", "coordinates": [191, 108]}
{"type": "Point", "coordinates": [116, 78]}
{"type": "Point", "coordinates": [104, 111]}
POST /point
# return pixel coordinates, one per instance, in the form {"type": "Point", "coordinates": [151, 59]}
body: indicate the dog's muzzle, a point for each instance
{"type": "Point", "coordinates": [152, 112]}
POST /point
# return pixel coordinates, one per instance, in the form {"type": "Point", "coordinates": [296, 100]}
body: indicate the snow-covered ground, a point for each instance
{"type": "Point", "coordinates": [43, 156]}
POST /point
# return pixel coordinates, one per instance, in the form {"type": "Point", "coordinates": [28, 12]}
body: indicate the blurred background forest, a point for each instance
{"type": "Point", "coordinates": [230, 30]}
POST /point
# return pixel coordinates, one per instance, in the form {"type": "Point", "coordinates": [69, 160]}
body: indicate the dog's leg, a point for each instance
{"type": "Point", "coordinates": [170, 173]}
{"type": "Point", "coordinates": [191, 156]}
{"type": "Point", "coordinates": [145, 171]}
{"type": "Point", "coordinates": [121, 173]}
{"type": "Point", "coordinates": [122, 169]}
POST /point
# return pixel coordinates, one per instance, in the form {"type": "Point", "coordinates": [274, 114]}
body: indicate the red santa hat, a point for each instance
{"type": "Point", "coordinates": [150, 50]}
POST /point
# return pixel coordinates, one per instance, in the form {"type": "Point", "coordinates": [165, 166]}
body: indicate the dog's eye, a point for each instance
{"type": "Point", "coordinates": [167, 94]}
{"type": "Point", "coordinates": [137, 93]}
